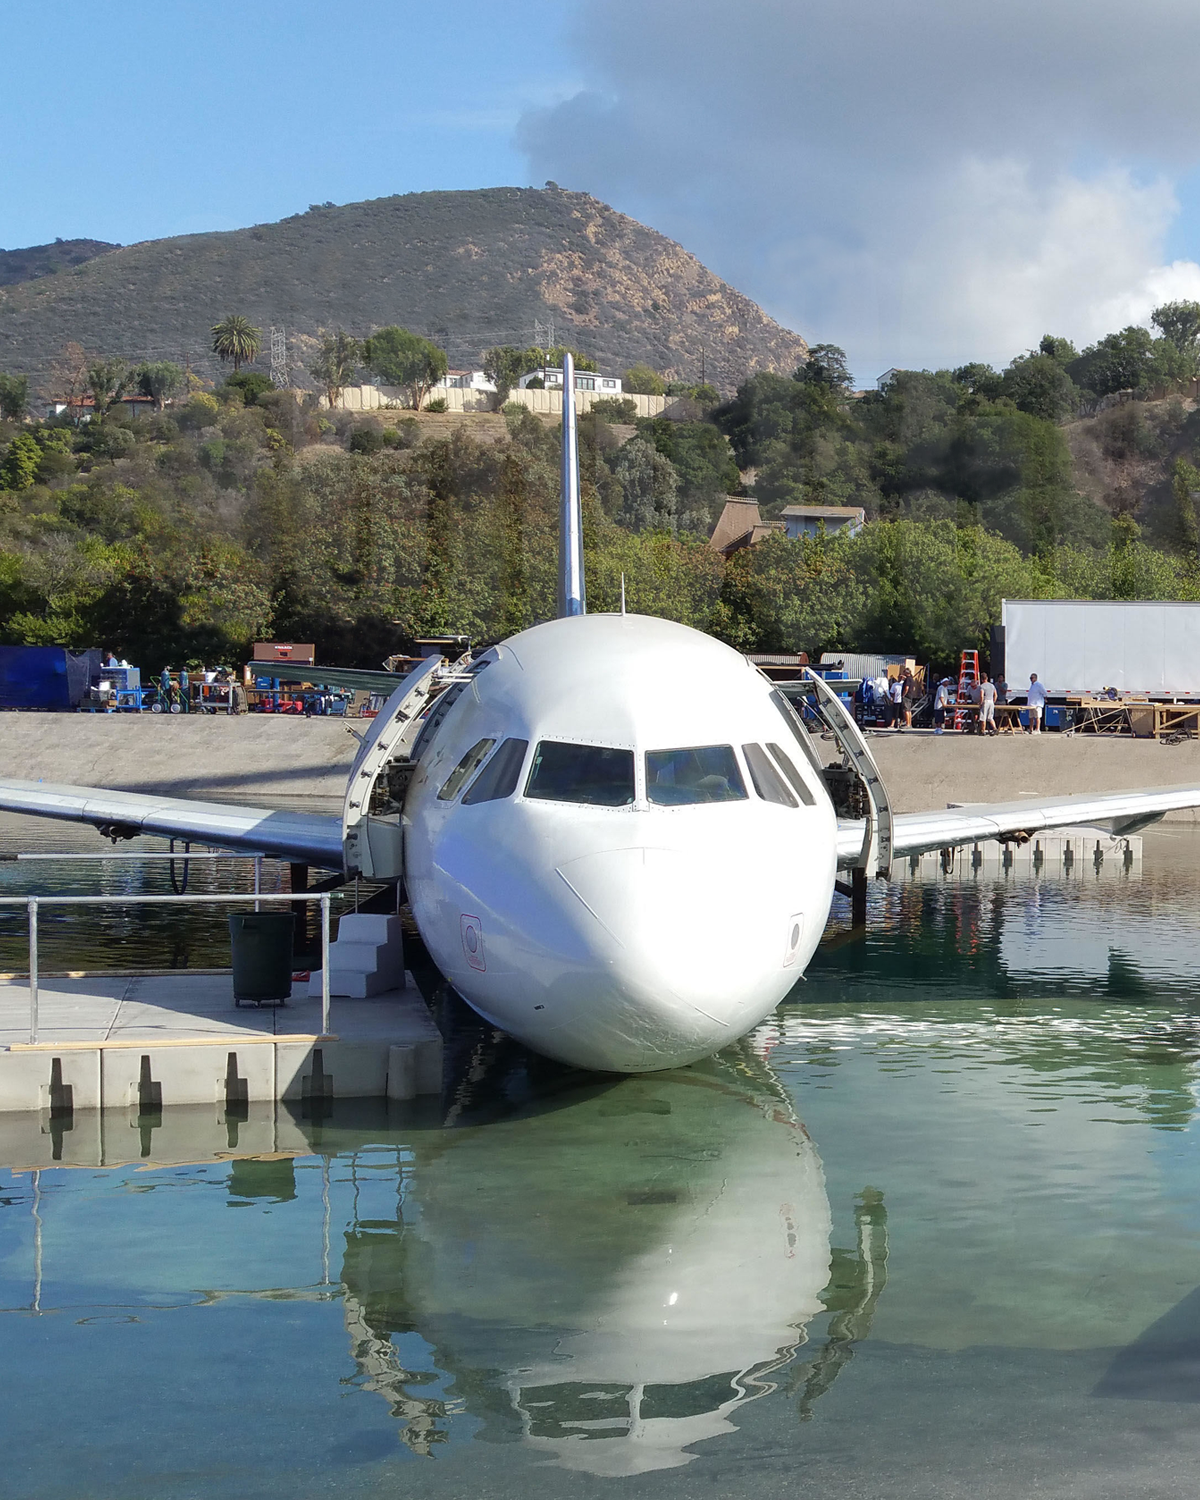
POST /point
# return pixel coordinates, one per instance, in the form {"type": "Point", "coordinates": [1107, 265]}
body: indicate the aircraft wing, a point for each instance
{"type": "Point", "coordinates": [1112, 812]}
{"type": "Point", "coordinates": [306, 838]}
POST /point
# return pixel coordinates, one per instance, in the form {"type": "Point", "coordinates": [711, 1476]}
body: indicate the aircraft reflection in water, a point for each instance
{"type": "Point", "coordinates": [611, 1280]}
{"type": "Point", "coordinates": [605, 1276]}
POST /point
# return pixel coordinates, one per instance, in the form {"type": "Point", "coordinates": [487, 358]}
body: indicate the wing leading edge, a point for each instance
{"type": "Point", "coordinates": [1113, 812]}
{"type": "Point", "coordinates": [306, 838]}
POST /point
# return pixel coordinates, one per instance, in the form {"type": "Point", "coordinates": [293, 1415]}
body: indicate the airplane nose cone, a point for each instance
{"type": "Point", "coordinates": [696, 953]}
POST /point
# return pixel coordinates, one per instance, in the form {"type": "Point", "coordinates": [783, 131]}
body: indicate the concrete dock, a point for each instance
{"type": "Point", "coordinates": [923, 770]}
{"type": "Point", "coordinates": [146, 1042]}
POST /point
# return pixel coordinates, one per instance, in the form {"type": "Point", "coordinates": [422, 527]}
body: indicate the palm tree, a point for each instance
{"type": "Point", "coordinates": [235, 338]}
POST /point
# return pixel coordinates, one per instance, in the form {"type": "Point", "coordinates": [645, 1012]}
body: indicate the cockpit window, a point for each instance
{"type": "Point", "coordinates": [799, 785]}
{"type": "Point", "coordinates": [469, 764]}
{"type": "Point", "coordinates": [591, 774]}
{"type": "Point", "coordinates": [767, 781]}
{"type": "Point", "coordinates": [801, 735]}
{"type": "Point", "coordinates": [707, 773]}
{"type": "Point", "coordinates": [499, 777]}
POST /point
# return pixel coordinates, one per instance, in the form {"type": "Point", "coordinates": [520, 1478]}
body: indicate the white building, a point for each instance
{"type": "Point", "coordinates": [585, 380]}
{"type": "Point", "coordinates": [464, 380]}
{"type": "Point", "coordinates": [807, 520]}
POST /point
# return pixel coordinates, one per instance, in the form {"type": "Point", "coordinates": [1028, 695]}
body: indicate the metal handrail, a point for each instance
{"type": "Point", "coordinates": [139, 854]}
{"type": "Point", "coordinates": [32, 904]}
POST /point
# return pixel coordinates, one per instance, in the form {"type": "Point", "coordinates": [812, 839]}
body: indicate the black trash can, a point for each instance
{"type": "Point", "coordinates": [262, 956]}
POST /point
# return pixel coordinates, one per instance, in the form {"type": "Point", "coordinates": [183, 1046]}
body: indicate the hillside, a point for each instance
{"type": "Point", "coordinates": [1124, 460]}
{"type": "Point", "coordinates": [469, 269]}
{"type": "Point", "coordinates": [45, 260]}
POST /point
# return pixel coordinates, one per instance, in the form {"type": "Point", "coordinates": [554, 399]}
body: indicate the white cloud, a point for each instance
{"type": "Point", "coordinates": [924, 182]}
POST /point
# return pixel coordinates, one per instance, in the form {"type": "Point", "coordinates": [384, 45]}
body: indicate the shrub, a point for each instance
{"type": "Point", "coordinates": [616, 409]}
{"type": "Point", "coordinates": [250, 385]}
{"type": "Point", "coordinates": [641, 380]}
{"type": "Point", "coordinates": [367, 440]}
{"type": "Point", "coordinates": [21, 462]}
{"type": "Point", "coordinates": [438, 404]}
{"type": "Point", "coordinates": [202, 410]}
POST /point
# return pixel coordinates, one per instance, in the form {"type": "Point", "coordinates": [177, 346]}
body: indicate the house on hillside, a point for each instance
{"type": "Point", "coordinates": [83, 408]}
{"type": "Point", "coordinates": [463, 380]}
{"type": "Point", "coordinates": [585, 380]}
{"type": "Point", "coordinates": [807, 520]}
{"type": "Point", "coordinates": [740, 525]}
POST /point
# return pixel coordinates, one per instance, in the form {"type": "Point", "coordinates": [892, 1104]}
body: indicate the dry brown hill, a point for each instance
{"type": "Point", "coordinates": [469, 269]}
{"type": "Point", "coordinates": [45, 260]}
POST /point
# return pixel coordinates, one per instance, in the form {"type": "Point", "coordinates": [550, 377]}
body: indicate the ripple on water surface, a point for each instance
{"type": "Point", "coordinates": [934, 1229]}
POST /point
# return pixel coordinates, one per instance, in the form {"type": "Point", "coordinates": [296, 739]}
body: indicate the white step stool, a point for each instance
{"type": "Point", "coordinates": [366, 958]}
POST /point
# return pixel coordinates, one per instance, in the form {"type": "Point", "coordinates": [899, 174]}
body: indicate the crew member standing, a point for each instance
{"type": "Point", "coordinates": [183, 691]}
{"type": "Point", "coordinates": [940, 699]}
{"type": "Point", "coordinates": [1035, 703]}
{"type": "Point", "coordinates": [896, 699]}
{"type": "Point", "coordinates": [987, 705]}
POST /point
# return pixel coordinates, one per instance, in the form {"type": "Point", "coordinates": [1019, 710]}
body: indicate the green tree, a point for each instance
{"type": "Point", "coordinates": [826, 367]}
{"type": "Point", "coordinates": [553, 357]}
{"type": "Point", "coordinates": [1062, 351]}
{"type": "Point", "coordinates": [1179, 324]}
{"type": "Point", "coordinates": [703, 461]}
{"type": "Point", "coordinates": [405, 359]}
{"type": "Point", "coordinates": [1185, 490]}
{"type": "Point", "coordinates": [107, 381]}
{"type": "Point", "coordinates": [1038, 384]}
{"type": "Point", "coordinates": [161, 381]}
{"type": "Point", "coordinates": [14, 396]}
{"type": "Point", "coordinates": [236, 341]}
{"type": "Point", "coordinates": [979, 380]}
{"type": "Point", "coordinates": [649, 486]}
{"type": "Point", "coordinates": [19, 468]}
{"type": "Point", "coordinates": [250, 385]}
{"type": "Point", "coordinates": [504, 365]}
{"type": "Point", "coordinates": [337, 359]}
{"type": "Point", "coordinates": [1117, 362]}
{"type": "Point", "coordinates": [641, 380]}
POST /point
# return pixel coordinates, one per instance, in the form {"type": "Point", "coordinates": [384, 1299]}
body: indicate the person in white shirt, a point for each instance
{"type": "Point", "coordinates": [940, 700]}
{"type": "Point", "coordinates": [987, 705]}
{"type": "Point", "coordinates": [896, 695]}
{"type": "Point", "coordinates": [1035, 703]}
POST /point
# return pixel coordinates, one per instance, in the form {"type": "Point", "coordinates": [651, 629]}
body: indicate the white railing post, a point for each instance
{"type": "Point", "coordinates": [258, 880]}
{"type": "Point", "coordinates": [33, 971]}
{"type": "Point", "coordinates": [325, 964]}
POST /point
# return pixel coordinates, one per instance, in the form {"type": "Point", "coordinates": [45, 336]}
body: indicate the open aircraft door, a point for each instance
{"type": "Point", "coordinates": [372, 836]}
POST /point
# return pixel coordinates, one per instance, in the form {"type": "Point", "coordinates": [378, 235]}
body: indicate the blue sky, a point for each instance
{"type": "Point", "coordinates": [921, 181]}
{"type": "Point", "coordinates": [168, 118]}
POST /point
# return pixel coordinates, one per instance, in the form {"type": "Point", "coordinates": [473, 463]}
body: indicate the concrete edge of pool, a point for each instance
{"type": "Point", "coordinates": [149, 1042]}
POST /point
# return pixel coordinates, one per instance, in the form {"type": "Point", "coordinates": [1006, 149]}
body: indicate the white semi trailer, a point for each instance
{"type": "Point", "coordinates": [1083, 646]}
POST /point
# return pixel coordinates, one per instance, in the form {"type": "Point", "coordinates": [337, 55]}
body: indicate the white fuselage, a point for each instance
{"type": "Point", "coordinates": [622, 937]}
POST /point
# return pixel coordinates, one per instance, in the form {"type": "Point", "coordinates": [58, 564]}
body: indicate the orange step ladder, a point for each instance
{"type": "Point", "coordinates": [968, 677]}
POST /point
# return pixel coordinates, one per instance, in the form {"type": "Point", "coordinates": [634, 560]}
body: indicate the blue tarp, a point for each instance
{"type": "Point", "coordinates": [46, 677]}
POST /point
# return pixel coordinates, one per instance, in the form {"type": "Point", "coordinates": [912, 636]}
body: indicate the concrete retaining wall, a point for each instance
{"type": "Point", "coordinates": [198, 755]}
{"type": "Point", "coordinates": [928, 771]}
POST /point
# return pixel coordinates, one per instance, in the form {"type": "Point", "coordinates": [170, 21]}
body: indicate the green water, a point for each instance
{"type": "Point", "coordinates": [934, 1231]}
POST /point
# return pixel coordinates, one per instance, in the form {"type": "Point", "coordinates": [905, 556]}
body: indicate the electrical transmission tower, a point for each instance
{"type": "Point", "coordinates": [279, 362]}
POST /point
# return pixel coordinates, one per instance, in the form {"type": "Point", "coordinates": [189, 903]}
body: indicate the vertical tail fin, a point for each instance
{"type": "Point", "coordinates": [572, 592]}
